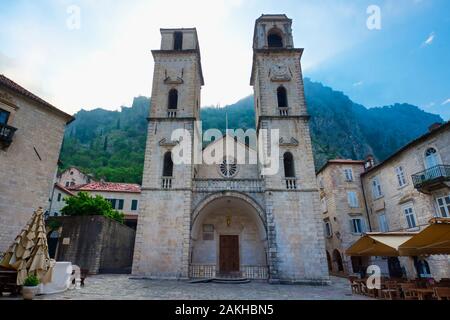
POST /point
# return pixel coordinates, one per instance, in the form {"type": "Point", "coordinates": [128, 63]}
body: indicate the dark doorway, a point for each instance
{"type": "Point", "coordinates": [52, 242]}
{"type": "Point", "coordinates": [359, 266]}
{"type": "Point", "coordinates": [330, 266]}
{"type": "Point", "coordinates": [229, 254]}
{"type": "Point", "coordinates": [338, 259]}
{"type": "Point", "coordinates": [395, 269]}
{"type": "Point", "coordinates": [422, 268]}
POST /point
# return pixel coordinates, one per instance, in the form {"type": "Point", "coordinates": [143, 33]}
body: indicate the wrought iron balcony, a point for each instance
{"type": "Point", "coordinates": [6, 134]}
{"type": "Point", "coordinates": [431, 179]}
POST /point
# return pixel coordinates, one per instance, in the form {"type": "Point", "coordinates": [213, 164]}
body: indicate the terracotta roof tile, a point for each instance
{"type": "Point", "coordinates": [62, 188]}
{"type": "Point", "coordinates": [108, 187]}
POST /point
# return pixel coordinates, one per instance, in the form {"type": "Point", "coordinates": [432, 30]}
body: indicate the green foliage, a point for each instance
{"type": "Point", "coordinates": [53, 224]}
{"type": "Point", "coordinates": [85, 205]}
{"type": "Point", "coordinates": [31, 281]}
{"type": "Point", "coordinates": [111, 144]}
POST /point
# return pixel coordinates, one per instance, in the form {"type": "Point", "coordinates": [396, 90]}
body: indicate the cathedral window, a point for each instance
{"type": "Point", "coordinates": [178, 41]}
{"type": "Point", "coordinates": [282, 97]}
{"type": "Point", "coordinates": [173, 99]}
{"type": "Point", "coordinates": [228, 168]}
{"type": "Point", "coordinates": [274, 39]}
{"type": "Point", "coordinates": [168, 165]}
{"type": "Point", "coordinates": [288, 161]}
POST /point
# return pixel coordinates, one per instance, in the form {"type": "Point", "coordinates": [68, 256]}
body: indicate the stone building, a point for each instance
{"type": "Point", "coordinates": [408, 189]}
{"type": "Point", "coordinates": [31, 134]}
{"type": "Point", "coordinates": [343, 212]}
{"type": "Point", "coordinates": [59, 193]}
{"type": "Point", "coordinates": [227, 218]}
{"type": "Point", "coordinates": [400, 194]}
{"type": "Point", "coordinates": [73, 176]}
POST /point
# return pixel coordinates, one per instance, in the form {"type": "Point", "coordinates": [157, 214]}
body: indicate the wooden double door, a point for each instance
{"type": "Point", "coordinates": [229, 254]}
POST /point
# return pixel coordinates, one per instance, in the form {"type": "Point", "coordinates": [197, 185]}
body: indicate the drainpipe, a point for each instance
{"type": "Point", "coordinates": [365, 202]}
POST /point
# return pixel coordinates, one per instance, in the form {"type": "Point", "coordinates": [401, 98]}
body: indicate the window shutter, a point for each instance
{"type": "Point", "coordinates": [363, 226]}
{"type": "Point", "coordinates": [352, 229]}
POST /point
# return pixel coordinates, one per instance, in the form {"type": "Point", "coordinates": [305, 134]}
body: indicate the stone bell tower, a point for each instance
{"type": "Point", "coordinates": [295, 233]}
{"type": "Point", "coordinates": [163, 231]}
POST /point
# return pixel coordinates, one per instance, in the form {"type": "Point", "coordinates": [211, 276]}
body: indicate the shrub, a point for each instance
{"type": "Point", "coordinates": [31, 281]}
{"type": "Point", "coordinates": [85, 205]}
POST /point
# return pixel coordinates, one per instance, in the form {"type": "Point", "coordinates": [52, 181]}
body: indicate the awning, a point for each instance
{"type": "Point", "coordinates": [434, 239]}
{"type": "Point", "coordinates": [379, 244]}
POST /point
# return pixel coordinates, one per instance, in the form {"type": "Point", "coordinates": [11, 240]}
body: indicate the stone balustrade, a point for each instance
{"type": "Point", "coordinates": [243, 185]}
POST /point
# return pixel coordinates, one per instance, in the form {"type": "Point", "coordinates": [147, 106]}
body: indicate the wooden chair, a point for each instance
{"type": "Point", "coordinates": [408, 291]}
{"type": "Point", "coordinates": [8, 282]}
{"type": "Point", "coordinates": [442, 293]}
{"type": "Point", "coordinates": [392, 291]}
{"type": "Point", "coordinates": [356, 289]}
{"type": "Point", "coordinates": [368, 292]}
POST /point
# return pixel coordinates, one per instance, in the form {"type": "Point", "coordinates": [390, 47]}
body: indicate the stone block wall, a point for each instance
{"type": "Point", "coordinates": [96, 243]}
{"type": "Point", "coordinates": [28, 166]}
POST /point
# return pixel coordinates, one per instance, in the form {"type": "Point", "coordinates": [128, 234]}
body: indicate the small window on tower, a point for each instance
{"type": "Point", "coordinates": [274, 39]}
{"type": "Point", "coordinates": [173, 99]}
{"type": "Point", "coordinates": [282, 97]}
{"type": "Point", "coordinates": [178, 41]}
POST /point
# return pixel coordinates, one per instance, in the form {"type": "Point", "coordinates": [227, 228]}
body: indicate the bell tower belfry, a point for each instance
{"type": "Point", "coordinates": [295, 234]}
{"type": "Point", "coordinates": [163, 231]}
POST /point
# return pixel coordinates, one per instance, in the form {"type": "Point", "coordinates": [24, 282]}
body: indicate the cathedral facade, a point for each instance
{"type": "Point", "coordinates": [203, 220]}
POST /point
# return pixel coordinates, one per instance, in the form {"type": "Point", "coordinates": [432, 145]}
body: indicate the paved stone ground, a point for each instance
{"type": "Point", "coordinates": [101, 287]}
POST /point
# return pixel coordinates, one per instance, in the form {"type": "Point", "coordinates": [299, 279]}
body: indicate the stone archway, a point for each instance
{"type": "Point", "coordinates": [228, 237]}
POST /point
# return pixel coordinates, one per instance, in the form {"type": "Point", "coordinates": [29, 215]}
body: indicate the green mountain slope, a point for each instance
{"type": "Point", "coordinates": [110, 144]}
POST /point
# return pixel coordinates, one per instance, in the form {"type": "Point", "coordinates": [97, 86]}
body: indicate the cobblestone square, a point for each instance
{"type": "Point", "coordinates": [124, 287]}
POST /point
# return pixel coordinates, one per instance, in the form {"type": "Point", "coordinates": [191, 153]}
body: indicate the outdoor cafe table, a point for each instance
{"type": "Point", "coordinates": [422, 293]}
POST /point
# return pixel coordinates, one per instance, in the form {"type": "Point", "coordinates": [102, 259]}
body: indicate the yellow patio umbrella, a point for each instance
{"type": "Point", "coordinates": [29, 252]}
{"type": "Point", "coordinates": [379, 244]}
{"type": "Point", "coordinates": [434, 239]}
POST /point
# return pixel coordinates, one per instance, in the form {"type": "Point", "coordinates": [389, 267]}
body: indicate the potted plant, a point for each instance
{"type": "Point", "coordinates": [30, 287]}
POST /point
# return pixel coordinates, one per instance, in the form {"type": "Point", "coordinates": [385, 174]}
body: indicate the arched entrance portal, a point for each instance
{"type": "Point", "coordinates": [228, 238]}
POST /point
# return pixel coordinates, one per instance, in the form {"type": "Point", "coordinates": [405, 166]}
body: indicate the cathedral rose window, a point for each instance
{"type": "Point", "coordinates": [228, 168]}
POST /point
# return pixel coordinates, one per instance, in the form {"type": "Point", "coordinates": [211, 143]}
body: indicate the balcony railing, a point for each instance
{"type": "Point", "coordinates": [172, 113]}
{"type": "Point", "coordinates": [166, 182]}
{"type": "Point", "coordinates": [6, 134]}
{"type": "Point", "coordinates": [210, 271]}
{"type": "Point", "coordinates": [213, 185]}
{"type": "Point", "coordinates": [431, 178]}
{"type": "Point", "coordinates": [284, 111]}
{"type": "Point", "coordinates": [291, 183]}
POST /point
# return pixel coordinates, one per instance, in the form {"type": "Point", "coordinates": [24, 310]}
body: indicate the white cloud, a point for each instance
{"type": "Point", "coordinates": [108, 61]}
{"type": "Point", "coordinates": [429, 105]}
{"type": "Point", "coordinates": [446, 102]}
{"type": "Point", "coordinates": [429, 40]}
{"type": "Point", "coordinates": [359, 83]}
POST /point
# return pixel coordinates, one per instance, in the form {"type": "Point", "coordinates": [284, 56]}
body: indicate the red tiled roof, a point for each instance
{"type": "Point", "coordinates": [108, 187]}
{"type": "Point", "coordinates": [21, 90]}
{"type": "Point", "coordinates": [62, 188]}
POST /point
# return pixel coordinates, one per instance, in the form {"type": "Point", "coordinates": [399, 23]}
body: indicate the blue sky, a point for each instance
{"type": "Point", "coordinates": [107, 61]}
